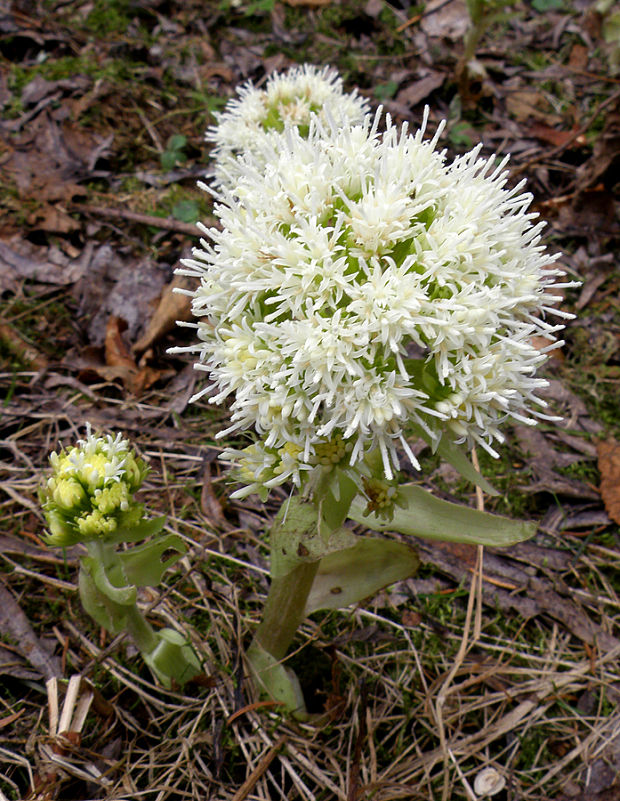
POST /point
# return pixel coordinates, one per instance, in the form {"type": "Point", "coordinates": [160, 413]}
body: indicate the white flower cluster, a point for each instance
{"type": "Point", "coordinates": [97, 461]}
{"type": "Point", "coordinates": [258, 116]}
{"type": "Point", "coordinates": [360, 285]}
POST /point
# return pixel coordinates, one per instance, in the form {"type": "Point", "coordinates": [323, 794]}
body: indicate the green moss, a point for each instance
{"type": "Point", "coordinates": [533, 748]}
{"type": "Point", "coordinates": [9, 791]}
{"type": "Point", "coordinates": [505, 474]}
{"type": "Point", "coordinates": [45, 325]}
{"type": "Point", "coordinates": [108, 16]}
{"type": "Point", "coordinates": [114, 70]}
{"type": "Point", "coordinates": [179, 201]}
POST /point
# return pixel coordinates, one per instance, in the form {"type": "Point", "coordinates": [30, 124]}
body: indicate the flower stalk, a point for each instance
{"type": "Point", "coordinates": [285, 608]}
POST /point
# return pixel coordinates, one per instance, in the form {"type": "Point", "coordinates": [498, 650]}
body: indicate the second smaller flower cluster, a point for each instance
{"type": "Point", "coordinates": [90, 493]}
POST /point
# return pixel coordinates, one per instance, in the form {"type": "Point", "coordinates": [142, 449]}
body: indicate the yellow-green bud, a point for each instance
{"type": "Point", "coordinates": [134, 472]}
{"type": "Point", "coordinates": [251, 466]}
{"type": "Point", "coordinates": [60, 532]}
{"type": "Point", "coordinates": [112, 498]}
{"type": "Point", "coordinates": [95, 525]}
{"type": "Point", "coordinates": [331, 452]}
{"type": "Point", "coordinates": [94, 470]}
{"type": "Point", "coordinates": [68, 493]}
{"type": "Point", "coordinates": [381, 497]}
{"type": "Point", "coordinates": [287, 454]}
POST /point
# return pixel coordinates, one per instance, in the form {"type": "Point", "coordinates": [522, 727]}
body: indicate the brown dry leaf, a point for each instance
{"type": "Point", "coordinates": [116, 352]}
{"type": "Point", "coordinates": [120, 363]}
{"type": "Point", "coordinates": [590, 286]}
{"type": "Point", "coordinates": [216, 69]}
{"type": "Point", "coordinates": [12, 664]}
{"type": "Point", "coordinates": [540, 597]}
{"type": "Point", "coordinates": [20, 259]}
{"type": "Point", "coordinates": [416, 92]}
{"type": "Point", "coordinates": [80, 105]}
{"type": "Point", "coordinates": [554, 137]}
{"type": "Point", "coordinates": [447, 20]}
{"type": "Point", "coordinates": [119, 286]}
{"type": "Point", "coordinates": [570, 407]}
{"type": "Point", "coordinates": [172, 306]}
{"type": "Point", "coordinates": [39, 88]}
{"type": "Point", "coordinates": [410, 618]}
{"type": "Point", "coordinates": [609, 467]}
{"type": "Point", "coordinates": [135, 382]}
{"type": "Point", "coordinates": [53, 219]}
{"type": "Point", "coordinates": [570, 614]}
{"type": "Point", "coordinates": [465, 554]}
{"type": "Point", "coordinates": [49, 159]}
{"type": "Point", "coordinates": [525, 104]}
{"type": "Point", "coordinates": [148, 376]}
{"type": "Point", "coordinates": [15, 626]}
{"type": "Point", "coordinates": [542, 458]}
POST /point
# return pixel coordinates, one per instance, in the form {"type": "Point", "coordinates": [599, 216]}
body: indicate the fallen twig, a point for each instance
{"type": "Point", "coordinates": [249, 784]}
{"type": "Point", "coordinates": [167, 223]}
{"type": "Point", "coordinates": [557, 151]}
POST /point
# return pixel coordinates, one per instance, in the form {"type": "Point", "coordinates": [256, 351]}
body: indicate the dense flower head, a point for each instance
{"type": "Point", "coordinates": [257, 115]}
{"type": "Point", "coordinates": [361, 286]}
{"type": "Point", "coordinates": [90, 492]}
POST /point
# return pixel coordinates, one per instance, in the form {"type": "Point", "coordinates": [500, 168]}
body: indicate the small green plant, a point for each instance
{"type": "Point", "coordinates": [186, 211]}
{"type": "Point", "coordinates": [173, 155]}
{"type": "Point", "coordinates": [459, 136]}
{"type": "Point", "coordinates": [384, 91]}
{"type": "Point", "coordinates": [610, 29]}
{"type": "Point", "coordinates": [89, 499]}
{"type": "Point", "coordinates": [104, 19]}
{"type": "Point", "coordinates": [483, 15]}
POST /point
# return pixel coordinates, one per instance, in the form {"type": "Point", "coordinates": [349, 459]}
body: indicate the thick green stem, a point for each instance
{"type": "Point", "coordinates": [297, 547]}
{"type": "Point", "coordinates": [284, 609]}
{"type": "Point", "coordinates": [140, 631]}
{"type": "Point", "coordinates": [103, 552]}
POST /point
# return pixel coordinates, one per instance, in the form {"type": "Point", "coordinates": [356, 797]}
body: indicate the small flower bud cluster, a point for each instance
{"type": "Point", "coordinates": [90, 492]}
{"type": "Point", "coordinates": [381, 497]}
{"type": "Point", "coordinates": [258, 116]}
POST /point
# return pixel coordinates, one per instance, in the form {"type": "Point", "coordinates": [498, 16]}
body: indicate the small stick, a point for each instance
{"type": "Point", "coordinates": [557, 151]}
{"type": "Point", "coordinates": [471, 796]}
{"type": "Point", "coordinates": [64, 725]}
{"type": "Point", "coordinates": [258, 771]}
{"type": "Point", "coordinates": [251, 708]}
{"type": "Point", "coordinates": [167, 223]}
